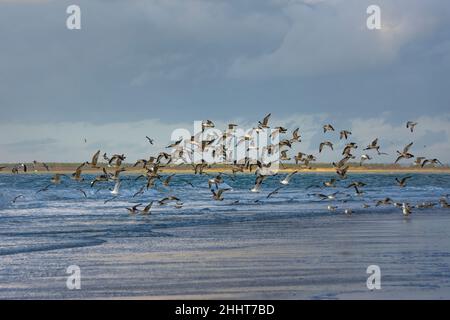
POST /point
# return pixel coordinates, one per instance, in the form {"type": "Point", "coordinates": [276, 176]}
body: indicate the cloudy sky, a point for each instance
{"type": "Point", "coordinates": [141, 68]}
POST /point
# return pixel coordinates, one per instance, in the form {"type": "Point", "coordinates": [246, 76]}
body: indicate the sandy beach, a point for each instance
{"type": "Point", "coordinates": [390, 169]}
{"type": "Point", "coordinates": [251, 261]}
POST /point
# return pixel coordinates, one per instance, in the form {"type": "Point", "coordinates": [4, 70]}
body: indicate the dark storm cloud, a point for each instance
{"type": "Point", "coordinates": [140, 59]}
{"type": "Point", "coordinates": [184, 60]}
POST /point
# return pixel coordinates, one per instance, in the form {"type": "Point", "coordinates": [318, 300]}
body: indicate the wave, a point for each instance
{"type": "Point", "coordinates": [63, 218]}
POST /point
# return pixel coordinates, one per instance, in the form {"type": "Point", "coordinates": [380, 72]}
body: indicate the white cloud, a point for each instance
{"type": "Point", "coordinates": [64, 142]}
{"type": "Point", "coordinates": [331, 36]}
{"type": "Point", "coordinates": [431, 137]}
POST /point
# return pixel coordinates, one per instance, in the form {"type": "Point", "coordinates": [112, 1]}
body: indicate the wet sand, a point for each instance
{"type": "Point", "coordinates": [310, 258]}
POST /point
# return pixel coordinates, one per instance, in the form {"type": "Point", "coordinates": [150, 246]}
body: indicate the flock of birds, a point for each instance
{"type": "Point", "coordinates": [182, 150]}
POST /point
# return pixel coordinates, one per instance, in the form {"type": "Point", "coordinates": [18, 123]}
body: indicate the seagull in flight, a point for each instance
{"type": "Point", "coordinates": [405, 153]}
{"type": "Point", "coordinates": [374, 145]}
{"type": "Point", "coordinates": [94, 160]}
{"type": "Point", "coordinates": [402, 182]}
{"type": "Point", "coordinates": [325, 143]}
{"type": "Point", "coordinates": [265, 122]}
{"type": "Point", "coordinates": [44, 189]}
{"type": "Point", "coordinates": [82, 191]}
{"type": "Point", "coordinates": [134, 209]}
{"type": "Point", "coordinates": [218, 195]}
{"type": "Point", "coordinates": [286, 180]}
{"type": "Point", "coordinates": [115, 191]}
{"type": "Point", "coordinates": [328, 197]}
{"type": "Point", "coordinates": [344, 134]}
{"type": "Point", "coordinates": [411, 125]}
{"type": "Point", "coordinates": [17, 198]}
{"type": "Point", "coordinates": [328, 127]}
{"type": "Point", "coordinates": [431, 161]}
{"type": "Point", "coordinates": [274, 192]}
{"type": "Point", "coordinates": [364, 157]}
{"type": "Point", "coordinates": [146, 210]}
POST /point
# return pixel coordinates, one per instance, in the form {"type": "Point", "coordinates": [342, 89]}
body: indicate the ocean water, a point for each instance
{"type": "Point", "coordinates": [42, 233]}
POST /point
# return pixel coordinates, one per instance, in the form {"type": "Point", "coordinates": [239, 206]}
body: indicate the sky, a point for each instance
{"type": "Point", "coordinates": [140, 68]}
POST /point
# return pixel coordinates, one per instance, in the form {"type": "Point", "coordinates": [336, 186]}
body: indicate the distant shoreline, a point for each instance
{"type": "Point", "coordinates": [68, 168]}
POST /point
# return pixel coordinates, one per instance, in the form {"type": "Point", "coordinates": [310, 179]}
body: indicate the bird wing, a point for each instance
{"type": "Point", "coordinates": [406, 149]}
{"type": "Point", "coordinates": [290, 175]}
{"type": "Point", "coordinates": [147, 208]}
{"type": "Point", "coordinates": [266, 119]}
{"type": "Point", "coordinates": [168, 179]}
{"type": "Point", "coordinates": [95, 158]}
{"type": "Point", "coordinates": [219, 193]}
{"type": "Point", "coordinates": [374, 142]}
{"type": "Point", "coordinates": [273, 192]}
{"type": "Point", "coordinates": [139, 192]}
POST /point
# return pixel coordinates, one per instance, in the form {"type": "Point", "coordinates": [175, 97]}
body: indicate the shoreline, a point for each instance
{"type": "Point", "coordinates": [252, 260]}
